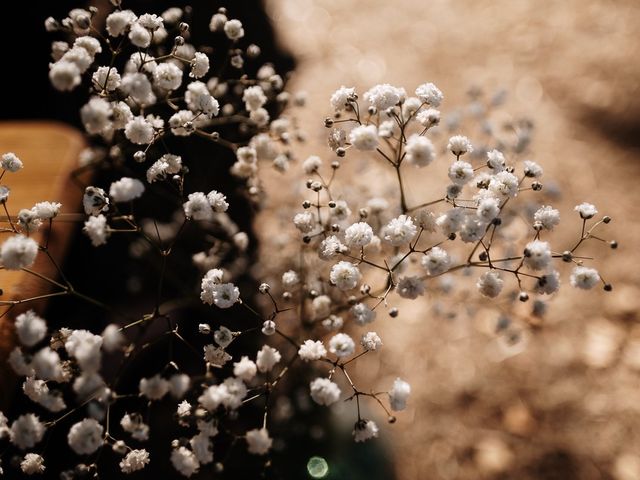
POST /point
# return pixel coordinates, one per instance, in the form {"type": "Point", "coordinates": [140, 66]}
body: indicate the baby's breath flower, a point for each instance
{"type": "Point", "coordinates": [312, 350]}
{"type": "Point", "coordinates": [184, 461]}
{"type": "Point", "coordinates": [384, 96]}
{"type": "Point", "coordinates": [267, 358]}
{"type": "Point", "coordinates": [254, 98]}
{"type": "Point", "coordinates": [139, 131]}
{"type": "Point", "coordinates": [126, 189]}
{"type": "Point", "coordinates": [85, 437]}
{"type": "Point", "coordinates": [258, 441]}
{"type": "Point", "coordinates": [363, 314]}
{"type": "Point", "coordinates": [430, 94]}
{"type": "Point", "coordinates": [345, 275]}
{"type": "Point", "coordinates": [586, 210]}
{"type": "Point", "coordinates": [459, 145]}
{"type": "Point", "coordinates": [340, 98]}
{"type": "Point", "coordinates": [30, 328]}
{"type": "Point", "coordinates": [399, 394]}
{"type": "Point", "coordinates": [584, 277]}
{"type": "Point", "coordinates": [537, 255]}
{"type": "Point", "coordinates": [546, 217]}
{"type": "Point", "coordinates": [10, 162]}
{"type": "Point", "coordinates": [371, 341]}
{"type": "Point", "coordinates": [324, 391]}
{"type": "Point", "coordinates": [420, 151]}
{"type": "Point", "coordinates": [135, 460]}
{"type": "Point", "coordinates": [18, 252]}
{"type": "Point", "coordinates": [97, 230]}
{"type": "Point", "coordinates": [342, 345]}
{"type": "Point", "coordinates": [233, 29]}
{"type": "Point", "coordinates": [460, 172]}
{"type": "Point", "coordinates": [32, 463]}
{"type": "Point", "coordinates": [365, 430]}
{"type": "Point", "coordinates": [400, 231]}
{"type": "Point", "coordinates": [364, 137]}
{"type": "Point", "coordinates": [410, 287]}
{"type": "Point", "coordinates": [490, 284]}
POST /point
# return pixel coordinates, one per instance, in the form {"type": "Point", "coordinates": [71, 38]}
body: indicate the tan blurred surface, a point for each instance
{"type": "Point", "coordinates": [567, 406]}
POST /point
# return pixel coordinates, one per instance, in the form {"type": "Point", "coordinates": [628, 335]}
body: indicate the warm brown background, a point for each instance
{"type": "Point", "coordinates": [567, 407]}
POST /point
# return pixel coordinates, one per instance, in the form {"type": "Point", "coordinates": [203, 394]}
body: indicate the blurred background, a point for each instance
{"type": "Point", "coordinates": [563, 402]}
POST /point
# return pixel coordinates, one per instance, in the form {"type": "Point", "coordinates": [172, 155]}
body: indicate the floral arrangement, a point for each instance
{"type": "Point", "coordinates": [355, 257]}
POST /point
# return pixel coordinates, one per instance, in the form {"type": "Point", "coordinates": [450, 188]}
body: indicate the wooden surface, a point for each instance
{"type": "Point", "coordinates": [49, 152]}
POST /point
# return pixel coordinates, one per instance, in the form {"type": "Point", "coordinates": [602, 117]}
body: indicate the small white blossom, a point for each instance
{"type": "Point", "coordinates": [118, 22]}
{"type": "Point", "coordinates": [363, 314]}
{"type": "Point", "coordinates": [496, 161]}
{"type": "Point", "coordinates": [340, 98]}
{"type": "Point", "coordinates": [218, 201]}
{"type": "Point", "coordinates": [428, 117]}
{"type": "Point", "coordinates": [245, 369]}
{"type": "Point", "coordinates": [430, 94]}
{"type": "Point", "coordinates": [32, 463]}
{"type": "Point", "coordinates": [139, 36]}
{"type": "Point", "coordinates": [330, 247]}
{"type": "Point", "coordinates": [258, 441]}
{"type": "Point", "coordinates": [324, 391]}
{"type": "Point", "coordinates": [153, 388]}
{"type": "Point", "coordinates": [358, 235]}
{"type": "Point", "coordinates": [305, 222]}
{"type": "Point", "coordinates": [548, 283]}
{"type": "Point", "coordinates": [384, 96]}
{"type": "Point", "coordinates": [64, 75]}
{"type": "Point", "coordinates": [30, 328]}
{"type": "Point", "coordinates": [537, 255]}
{"type": "Point", "coordinates": [490, 284]}
{"type": "Point", "coordinates": [97, 230]}
{"type": "Point", "coordinates": [223, 295]}
{"type": "Point", "coordinates": [312, 350]}
{"type": "Point", "coordinates": [400, 231]}
{"type": "Point", "coordinates": [18, 252]}
{"type": "Point", "coordinates": [410, 287]}
{"type": "Point", "coordinates": [547, 217]}
{"type": "Point", "coordinates": [167, 76]}
{"type": "Point", "coordinates": [267, 358]}
{"type": "Point", "coordinates": [254, 98]}
{"type": "Point", "coordinates": [197, 207]}
{"type": "Point", "coordinates": [46, 210]}
{"type": "Point", "coordinates": [488, 209]}
{"type": "Point", "coordinates": [342, 345]}
{"type": "Point", "coordinates": [371, 341]}
{"type": "Point", "coordinates": [184, 461]}
{"type": "Point", "coordinates": [139, 131]}
{"type": "Point", "coordinates": [460, 172]}
{"type": "Point", "coordinates": [345, 275]}
{"type": "Point", "coordinates": [365, 430]}
{"type": "Point", "coordinates": [233, 29]}
{"type": "Point", "coordinates": [86, 436]}
{"type": "Point", "coordinates": [586, 210]}
{"type": "Point", "coordinates": [216, 356]}
{"type": "Point", "coordinates": [26, 431]}
{"type": "Point", "coordinates": [420, 151]}
{"type": "Point", "coordinates": [134, 461]}
{"type": "Point", "coordinates": [532, 169]}
{"type": "Point", "coordinates": [505, 184]}
{"type": "Point", "coordinates": [399, 394]}
{"type": "Point", "coordinates": [459, 145]}
{"type": "Point", "coordinates": [584, 277]}
{"type": "Point", "coordinates": [364, 137]}
{"type": "Point", "coordinates": [199, 65]}
{"type": "Point", "coordinates": [10, 162]}
{"type": "Point", "coordinates": [126, 189]}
